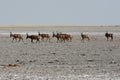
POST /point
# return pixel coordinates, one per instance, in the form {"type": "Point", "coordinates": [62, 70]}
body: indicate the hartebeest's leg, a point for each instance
{"type": "Point", "coordinates": [64, 40]}
{"type": "Point", "coordinates": [19, 39]}
{"type": "Point", "coordinates": [31, 40]}
{"type": "Point", "coordinates": [88, 38]}
{"type": "Point", "coordinates": [37, 40]}
{"type": "Point", "coordinates": [82, 39]}
{"type": "Point", "coordinates": [15, 39]}
{"type": "Point", "coordinates": [57, 40]}
{"type": "Point", "coordinates": [22, 39]}
{"type": "Point", "coordinates": [71, 39]}
{"type": "Point", "coordinates": [112, 38]}
{"type": "Point", "coordinates": [107, 38]}
{"type": "Point", "coordinates": [48, 39]}
{"type": "Point", "coordinates": [42, 39]}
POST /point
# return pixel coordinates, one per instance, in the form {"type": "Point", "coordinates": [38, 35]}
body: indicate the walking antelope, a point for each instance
{"type": "Point", "coordinates": [68, 37]}
{"type": "Point", "coordinates": [109, 35]}
{"type": "Point", "coordinates": [33, 37]}
{"type": "Point", "coordinates": [43, 36]}
{"type": "Point", "coordinates": [62, 37]}
{"type": "Point", "coordinates": [16, 36]}
{"type": "Point", "coordinates": [85, 36]}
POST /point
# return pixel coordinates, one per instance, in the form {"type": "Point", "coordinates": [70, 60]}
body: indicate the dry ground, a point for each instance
{"type": "Point", "coordinates": [96, 59]}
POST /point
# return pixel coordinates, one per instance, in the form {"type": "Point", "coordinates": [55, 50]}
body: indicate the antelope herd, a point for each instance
{"type": "Point", "coordinates": [59, 36]}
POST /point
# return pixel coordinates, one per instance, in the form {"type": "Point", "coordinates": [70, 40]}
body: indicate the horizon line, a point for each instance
{"type": "Point", "coordinates": [52, 25]}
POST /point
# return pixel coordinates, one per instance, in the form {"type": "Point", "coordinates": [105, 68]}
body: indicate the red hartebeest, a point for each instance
{"type": "Point", "coordinates": [43, 36]}
{"type": "Point", "coordinates": [62, 37]}
{"type": "Point", "coordinates": [85, 36]}
{"type": "Point", "coordinates": [16, 36]}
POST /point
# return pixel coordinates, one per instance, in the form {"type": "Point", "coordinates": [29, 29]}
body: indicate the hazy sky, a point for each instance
{"type": "Point", "coordinates": [68, 12]}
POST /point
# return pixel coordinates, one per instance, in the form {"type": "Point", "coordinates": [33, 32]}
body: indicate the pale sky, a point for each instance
{"type": "Point", "coordinates": [67, 12]}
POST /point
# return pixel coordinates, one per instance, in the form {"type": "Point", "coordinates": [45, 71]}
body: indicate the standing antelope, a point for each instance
{"type": "Point", "coordinates": [33, 37]}
{"type": "Point", "coordinates": [16, 36]}
{"type": "Point", "coordinates": [47, 36]}
{"type": "Point", "coordinates": [109, 35]}
{"type": "Point", "coordinates": [85, 36]}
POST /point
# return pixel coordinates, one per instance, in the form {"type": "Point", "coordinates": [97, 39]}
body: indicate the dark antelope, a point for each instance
{"type": "Point", "coordinates": [109, 35]}
{"type": "Point", "coordinates": [16, 36]}
{"type": "Point", "coordinates": [57, 36]}
{"type": "Point", "coordinates": [43, 36]}
{"type": "Point", "coordinates": [85, 36]}
{"type": "Point", "coordinates": [33, 37]}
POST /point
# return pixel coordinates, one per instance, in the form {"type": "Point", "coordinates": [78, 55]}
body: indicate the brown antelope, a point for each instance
{"type": "Point", "coordinates": [43, 36]}
{"type": "Point", "coordinates": [33, 37]}
{"type": "Point", "coordinates": [67, 36]}
{"type": "Point", "coordinates": [16, 36]}
{"type": "Point", "coordinates": [58, 36]}
{"type": "Point", "coordinates": [109, 35]}
{"type": "Point", "coordinates": [61, 37]}
{"type": "Point", "coordinates": [85, 36]}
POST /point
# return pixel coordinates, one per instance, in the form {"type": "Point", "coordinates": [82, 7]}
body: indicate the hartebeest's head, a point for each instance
{"type": "Point", "coordinates": [81, 33]}
{"type": "Point", "coordinates": [11, 34]}
{"type": "Point", "coordinates": [53, 34]}
{"type": "Point", "coordinates": [27, 36]}
{"type": "Point", "coordinates": [39, 33]}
